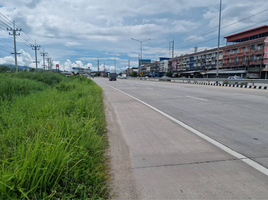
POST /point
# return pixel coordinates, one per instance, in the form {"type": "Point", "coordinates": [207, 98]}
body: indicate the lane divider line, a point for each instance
{"type": "Point", "coordinates": [196, 98]}
{"type": "Point", "coordinates": [228, 150]}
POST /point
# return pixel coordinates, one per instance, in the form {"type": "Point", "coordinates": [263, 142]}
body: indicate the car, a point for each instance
{"type": "Point", "coordinates": [165, 78]}
{"type": "Point", "coordinates": [236, 80]}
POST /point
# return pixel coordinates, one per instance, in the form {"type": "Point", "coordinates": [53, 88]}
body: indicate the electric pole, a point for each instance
{"type": "Point", "coordinates": [48, 63]}
{"type": "Point", "coordinates": [104, 68]}
{"type": "Point", "coordinates": [128, 67]}
{"type": "Point", "coordinates": [219, 33]}
{"type": "Point", "coordinates": [44, 54]}
{"type": "Point", "coordinates": [171, 47]}
{"type": "Point", "coordinates": [14, 30]}
{"type": "Point", "coordinates": [98, 66]}
{"type": "Point", "coordinates": [35, 48]}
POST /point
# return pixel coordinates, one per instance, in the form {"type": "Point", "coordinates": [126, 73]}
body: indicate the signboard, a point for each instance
{"type": "Point", "coordinates": [144, 61]}
{"type": "Point", "coordinates": [174, 65]}
{"type": "Point", "coordinates": [253, 75]}
{"type": "Point", "coordinates": [163, 58]}
{"type": "Point", "coordinates": [57, 65]}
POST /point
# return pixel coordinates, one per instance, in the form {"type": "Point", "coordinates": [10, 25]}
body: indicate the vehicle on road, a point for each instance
{"type": "Point", "coordinates": [236, 80]}
{"type": "Point", "coordinates": [124, 76]}
{"type": "Point", "coordinates": [165, 78]}
{"type": "Point", "coordinates": [112, 77]}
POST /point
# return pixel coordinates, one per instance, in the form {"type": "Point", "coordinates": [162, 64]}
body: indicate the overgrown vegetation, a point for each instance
{"type": "Point", "coordinates": [52, 137]}
{"type": "Point", "coordinates": [134, 74]}
{"type": "Point", "coordinates": [169, 73]}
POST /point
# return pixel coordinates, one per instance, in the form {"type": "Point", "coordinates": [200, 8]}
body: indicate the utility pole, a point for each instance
{"type": "Point", "coordinates": [128, 67]}
{"type": "Point", "coordinates": [14, 30]}
{"type": "Point", "coordinates": [219, 34]}
{"type": "Point", "coordinates": [51, 64]}
{"type": "Point", "coordinates": [44, 54]}
{"type": "Point", "coordinates": [173, 48]}
{"type": "Point", "coordinates": [35, 48]}
{"type": "Point", "coordinates": [98, 65]}
{"type": "Point", "coordinates": [48, 63]}
{"type": "Point", "coordinates": [104, 68]}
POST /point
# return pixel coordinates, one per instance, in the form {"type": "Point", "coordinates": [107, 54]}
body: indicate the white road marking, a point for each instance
{"type": "Point", "coordinates": [239, 156]}
{"type": "Point", "coordinates": [196, 98]}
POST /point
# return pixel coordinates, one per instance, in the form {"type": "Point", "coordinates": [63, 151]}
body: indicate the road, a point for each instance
{"type": "Point", "coordinates": [169, 161]}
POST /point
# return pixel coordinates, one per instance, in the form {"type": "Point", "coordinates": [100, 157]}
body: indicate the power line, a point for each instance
{"type": "Point", "coordinates": [26, 41]}
{"type": "Point", "coordinates": [6, 44]}
{"type": "Point", "coordinates": [2, 49]}
{"type": "Point", "coordinates": [226, 25]}
{"type": "Point", "coordinates": [4, 22]}
{"type": "Point", "coordinates": [21, 41]}
{"type": "Point", "coordinates": [224, 36]}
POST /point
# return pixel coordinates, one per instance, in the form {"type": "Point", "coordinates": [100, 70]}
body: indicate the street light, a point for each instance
{"type": "Point", "coordinates": [115, 54]}
{"type": "Point", "coordinates": [140, 60]}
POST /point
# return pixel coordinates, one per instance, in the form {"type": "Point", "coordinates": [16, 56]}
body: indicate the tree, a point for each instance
{"type": "Point", "coordinates": [32, 70]}
{"type": "Point", "coordinates": [134, 74]}
{"type": "Point", "coordinates": [169, 74]}
{"type": "Point", "coordinates": [4, 69]}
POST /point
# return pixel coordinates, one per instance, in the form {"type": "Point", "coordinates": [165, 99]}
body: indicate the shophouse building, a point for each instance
{"type": "Point", "coordinates": [245, 55]}
{"type": "Point", "coordinates": [248, 52]}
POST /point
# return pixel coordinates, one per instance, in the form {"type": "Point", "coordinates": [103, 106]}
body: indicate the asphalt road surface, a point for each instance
{"type": "Point", "coordinates": [171, 162]}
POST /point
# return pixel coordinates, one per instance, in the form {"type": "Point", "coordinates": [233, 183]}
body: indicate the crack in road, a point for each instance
{"type": "Point", "coordinates": [183, 164]}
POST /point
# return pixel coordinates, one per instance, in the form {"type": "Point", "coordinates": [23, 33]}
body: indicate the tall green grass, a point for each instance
{"type": "Point", "coordinates": [52, 141]}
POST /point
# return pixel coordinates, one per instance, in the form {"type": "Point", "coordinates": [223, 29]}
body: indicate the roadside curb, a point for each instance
{"type": "Point", "coordinates": [219, 84]}
{"type": "Point", "coordinates": [231, 85]}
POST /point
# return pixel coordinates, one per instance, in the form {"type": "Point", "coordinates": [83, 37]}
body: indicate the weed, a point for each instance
{"type": "Point", "coordinates": [52, 144]}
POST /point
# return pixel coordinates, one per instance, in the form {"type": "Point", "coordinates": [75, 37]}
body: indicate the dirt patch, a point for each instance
{"type": "Point", "coordinates": [123, 184]}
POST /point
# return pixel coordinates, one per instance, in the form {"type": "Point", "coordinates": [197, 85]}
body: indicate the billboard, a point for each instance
{"type": "Point", "coordinates": [164, 58]}
{"type": "Point", "coordinates": [145, 61]}
{"type": "Point", "coordinates": [174, 65]}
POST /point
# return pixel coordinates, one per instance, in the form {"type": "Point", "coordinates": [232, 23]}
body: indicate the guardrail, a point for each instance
{"type": "Point", "coordinates": [206, 80]}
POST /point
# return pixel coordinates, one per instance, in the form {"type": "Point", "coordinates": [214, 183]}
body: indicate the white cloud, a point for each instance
{"type": "Point", "coordinates": [195, 37]}
{"type": "Point", "coordinates": [84, 30]}
{"type": "Point", "coordinates": [69, 44]}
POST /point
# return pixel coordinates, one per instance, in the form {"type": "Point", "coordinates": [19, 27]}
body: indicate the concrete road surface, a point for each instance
{"type": "Point", "coordinates": [169, 161]}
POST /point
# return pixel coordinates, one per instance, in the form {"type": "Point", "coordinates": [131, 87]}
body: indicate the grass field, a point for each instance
{"type": "Point", "coordinates": [52, 137]}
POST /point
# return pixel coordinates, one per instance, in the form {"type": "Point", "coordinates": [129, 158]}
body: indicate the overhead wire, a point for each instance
{"type": "Point", "coordinates": [223, 36]}
{"type": "Point", "coordinates": [2, 49]}
{"type": "Point", "coordinates": [6, 44]}
{"type": "Point", "coordinates": [21, 41]}
{"type": "Point", "coordinates": [227, 25]}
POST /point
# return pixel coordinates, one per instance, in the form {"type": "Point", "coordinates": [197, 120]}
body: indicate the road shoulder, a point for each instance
{"type": "Point", "coordinates": [123, 184]}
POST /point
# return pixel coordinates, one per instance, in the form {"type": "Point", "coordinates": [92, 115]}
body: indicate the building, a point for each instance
{"type": "Point", "coordinates": [245, 55]}
{"type": "Point", "coordinates": [247, 52]}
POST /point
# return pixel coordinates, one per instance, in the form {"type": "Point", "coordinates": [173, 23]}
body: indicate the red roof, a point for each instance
{"type": "Point", "coordinates": [250, 30]}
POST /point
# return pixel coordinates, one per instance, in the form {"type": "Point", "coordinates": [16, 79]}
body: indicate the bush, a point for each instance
{"type": "Point", "coordinates": [169, 73]}
{"type": "Point", "coordinates": [134, 74]}
{"type": "Point", "coordinates": [46, 77]}
{"type": "Point", "coordinates": [12, 86]}
{"type": "Point", "coordinates": [4, 69]}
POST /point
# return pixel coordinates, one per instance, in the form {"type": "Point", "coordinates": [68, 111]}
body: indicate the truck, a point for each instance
{"type": "Point", "coordinates": [112, 77]}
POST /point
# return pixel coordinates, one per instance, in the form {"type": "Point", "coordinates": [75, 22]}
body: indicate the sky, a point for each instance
{"type": "Point", "coordinates": [78, 33]}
